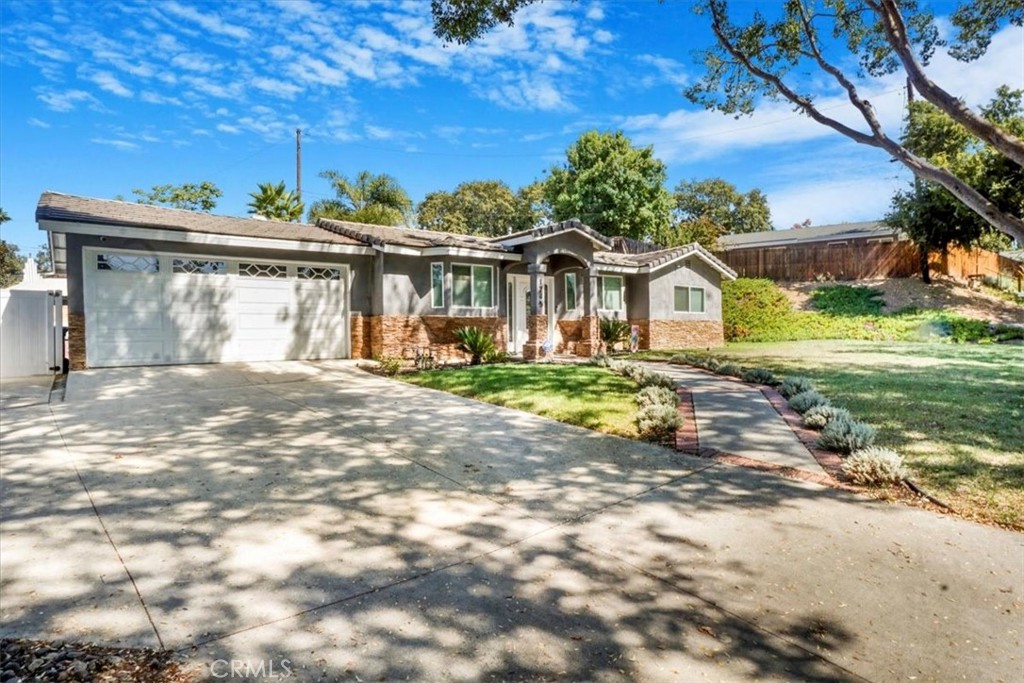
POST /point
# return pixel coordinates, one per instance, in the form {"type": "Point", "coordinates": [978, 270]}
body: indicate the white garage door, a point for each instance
{"type": "Point", "coordinates": [144, 309]}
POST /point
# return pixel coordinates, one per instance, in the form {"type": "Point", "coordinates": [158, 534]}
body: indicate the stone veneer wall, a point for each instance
{"type": "Point", "coordinates": [360, 326]}
{"type": "Point", "coordinates": [76, 341]}
{"type": "Point", "coordinates": [571, 333]}
{"type": "Point", "coordinates": [682, 334]}
{"type": "Point", "coordinates": [400, 335]}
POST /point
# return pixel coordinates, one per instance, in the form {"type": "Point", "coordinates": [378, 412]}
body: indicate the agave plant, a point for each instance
{"type": "Point", "coordinates": [613, 331]}
{"type": "Point", "coordinates": [475, 342]}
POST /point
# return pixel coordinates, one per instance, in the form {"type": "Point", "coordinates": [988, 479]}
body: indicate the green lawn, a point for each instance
{"type": "Point", "coordinates": [955, 411]}
{"type": "Point", "coordinates": [582, 395]}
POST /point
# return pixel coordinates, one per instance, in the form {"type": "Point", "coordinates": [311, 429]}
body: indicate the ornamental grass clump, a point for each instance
{"type": "Point", "coordinates": [658, 422]}
{"type": "Point", "coordinates": [791, 386]}
{"type": "Point", "coordinates": [844, 435]}
{"type": "Point", "coordinates": [759, 376]}
{"type": "Point", "coordinates": [655, 395]}
{"type": "Point", "coordinates": [806, 400]}
{"type": "Point", "coordinates": [730, 369]}
{"type": "Point", "coordinates": [819, 416]}
{"type": "Point", "coordinates": [875, 466]}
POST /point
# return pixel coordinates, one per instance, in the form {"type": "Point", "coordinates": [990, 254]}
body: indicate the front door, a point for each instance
{"type": "Point", "coordinates": [519, 309]}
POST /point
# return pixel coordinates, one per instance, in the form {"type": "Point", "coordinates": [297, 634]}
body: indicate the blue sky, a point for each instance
{"type": "Point", "coordinates": [102, 97]}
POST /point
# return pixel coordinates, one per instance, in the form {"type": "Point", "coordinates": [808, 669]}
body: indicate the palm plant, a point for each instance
{"type": "Point", "coordinates": [613, 331]}
{"type": "Point", "coordinates": [275, 203]}
{"type": "Point", "coordinates": [475, 342]}
{"type": "Point", "coordinates": [368, 198]}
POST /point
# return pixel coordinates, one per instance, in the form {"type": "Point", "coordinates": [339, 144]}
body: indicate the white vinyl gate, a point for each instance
{"type": "Point", "coordinates": [145, 308]}
{"type": "Point", "coordinates": [31, 333]}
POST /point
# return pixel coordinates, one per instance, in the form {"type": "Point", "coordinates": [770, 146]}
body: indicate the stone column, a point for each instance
{"type": "Point", "coordinates": [536, 321]}
{"type": "Point", "coordinates": [590, 336]}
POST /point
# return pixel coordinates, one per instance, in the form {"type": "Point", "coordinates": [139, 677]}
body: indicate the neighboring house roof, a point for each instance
{"type": "Point", "coordinates": [655, 260]}
{"type": "Point", "coordinates": [817, 233]}
{"type": "Point", "coordinates": [382, 236]}
{"type": "Point", "coordinates": [551, 229]}
{"type": "Point", "coordinates": [1013, 255]}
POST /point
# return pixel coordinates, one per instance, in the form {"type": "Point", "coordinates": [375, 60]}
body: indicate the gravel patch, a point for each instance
{"type": "Point", "coordinates": [23, 660]}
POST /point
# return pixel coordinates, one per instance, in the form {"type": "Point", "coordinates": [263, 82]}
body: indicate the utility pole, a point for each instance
{"type": "Point", "coordinates": [298, 163]}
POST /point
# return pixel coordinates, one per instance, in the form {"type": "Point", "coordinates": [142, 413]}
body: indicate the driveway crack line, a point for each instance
{"type": "Point", "coordinates": [106, 531]}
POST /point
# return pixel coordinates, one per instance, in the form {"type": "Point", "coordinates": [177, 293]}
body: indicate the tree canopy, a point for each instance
{"type": "Point", "coordinates": [276, 203]}
{"type": "Point", "coordinates": [44, 262]}
{"type": "Point", "coordinates": [480, 207]}
{"type": "Point", "coordinates": [612, 186]}
{"type": "Point", "coordinates": [770, 58]}
{"type": "Point", "coordinates": [12, 264]}
{"type": "Point", "coordinates": [188, 196]}
{"type": "Point", "coordinates": [367, 198]}
{"type": "Point", "coordinates": [722, 204]}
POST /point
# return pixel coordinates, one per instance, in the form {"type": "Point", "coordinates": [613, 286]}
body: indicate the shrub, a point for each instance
{"type": "Point", "coordinates": [680, 359]}
{"type": "Point", "coordinates": [389, 365]}
{"type": "Point", "coordinates": [475, 342]}
{"type": "Point", "coordinates": [710, 363]}
{"type": "Point", "coordinates": [613, 331]}
{"type": "Point", "coordinates": [497, 356]}
{"type": "Point", "coordinates": [874, 466]}
{"type": "Point", "coordinates": [791, 386]}
{"type": "Point", "coordinates": [847, 300]}
{"type": "Point", "coordinates": [819, 416]}
{"type": "Point", "coordinates": [602, 360]}
{"type": "Point", "coordinates": [654, 395]}
{"type": "Point", "coordinates": [649, 378]}
{"type": "Point", "coordinates": [806, 400]}
{"type": "Point", "coordinates": [759, 376]}
{"type": "Point", "coordinates": [754, 309]}
{"type": "Point", "coordinates": [844, 435]}
{"type": "Point", "coordinates": [729, 369]}
{"type": "Point", "coordinates": [1005, 332]}
{"type": "Point", "coordinates": [966, 330]}
{"type": "Point", "coordinates": [657, 422]}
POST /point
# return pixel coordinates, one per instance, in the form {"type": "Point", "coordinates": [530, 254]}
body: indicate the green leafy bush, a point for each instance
{"type": "Point", "coordinates": [602, 360]}
{"type": "Point", "coordinates": [847, 300]}
{"type": "Point", "coordinates": [655, 395]}
{"type": "Point", "coordinates": [497, 356]}
{"type": "Point", "coordinates": [806, 400]}
{"type": "Point", "coordinates": [729, 369]}
{"type": "Point", "coordinates": [966, 330]}
{"type": "Point", "coordinates": [791, 386]}
{"type": "Point", "coordinates": [754, 309]}
{"type": "Point", "coordinates": [475, 342]}
{"type": "Point", "coordinates": [843, 435]}
{"type": "Point", "coordinates": [657, 422]}
{"type": "Point", "coordinates": [874, 466]}
{"type": "Point", "coordinates": [613, 331]}
{"type": "Point", "coordinates": [389, 365]}
{"type": "Point", "coordinates": [819, 416]}
{"type": "Point", "coordinates": [1003, 332]}
{"type": "Point", "coordinates": [655, 379]}
{"type": "Point", "coordinates": [759, 376]}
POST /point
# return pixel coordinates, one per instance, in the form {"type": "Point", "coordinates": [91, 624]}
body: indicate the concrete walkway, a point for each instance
{"type": "Point", "coordinates": [736, 418]}
{"type": "Point", "coordinates": [310, 516]}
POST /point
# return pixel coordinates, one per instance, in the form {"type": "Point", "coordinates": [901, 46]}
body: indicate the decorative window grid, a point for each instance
{"type": "Point", "coordinates": [198, 267]}
{"type": "Point", "coordinates": [314, 273]}
{"type": "Point", "coordinates": [271, 270]}
{"type": "Point", "coordinates": [128, 263]}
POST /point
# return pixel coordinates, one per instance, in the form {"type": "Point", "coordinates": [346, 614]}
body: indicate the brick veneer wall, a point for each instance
{"type": "Point", "coordinates": [76, 341]}
{"type": "Point", "coordinates": [683, 334]}
{"type": "Point", "coordinates": [400, 335]}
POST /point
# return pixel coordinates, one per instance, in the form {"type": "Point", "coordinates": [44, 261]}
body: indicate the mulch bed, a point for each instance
{"type": "Point", "coordinates": [47, 661]}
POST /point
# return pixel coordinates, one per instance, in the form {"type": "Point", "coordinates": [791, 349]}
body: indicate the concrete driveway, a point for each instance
{"type": "Point", "coordinates": [314, 520]}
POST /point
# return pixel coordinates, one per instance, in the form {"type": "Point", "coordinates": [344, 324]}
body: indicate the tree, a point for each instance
{"type": "Point", "coordinates": [701, 230]}
{"type": "Point", "coordinates": [612, 186]}
{"type": "Point", "coordinates": [722, 204]}
{"type": "Point", "coordinates": [44, 264]}
{"type": "Point", "coordinates": [929, 214]}
{"type": "Point", "coordinates": [12, 264]}
{"type": "Point", "coordinates": [771, 58]}
{"type": "Point", "coordinates": [187, 196]}
{"type": "Point", "coordinates": [368, 198]}
{"type": "Point", "coordinates": [276, 203]}
{"type": "Point", "coordinates": [534, 208]}
{"type": "Point", "coordinates": [481, 207]}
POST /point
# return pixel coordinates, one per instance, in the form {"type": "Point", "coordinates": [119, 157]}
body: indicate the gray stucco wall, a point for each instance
{"type": "Point", "coordinates": [691, 272]}
{"type": "Point", "coordinates": [570, 243]}
{"type": "Point", "coordinates": [360, 266]}
{"type": "Point", "coordinates": [407, 286]}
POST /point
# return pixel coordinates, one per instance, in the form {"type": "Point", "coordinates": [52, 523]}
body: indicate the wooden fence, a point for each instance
{"type": "Point", "coordinates": [863, 261]}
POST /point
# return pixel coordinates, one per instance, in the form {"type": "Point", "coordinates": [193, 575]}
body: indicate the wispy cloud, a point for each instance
{"type": "Point", "coordinates": [66, 100]}
{"type": "Point", "coordinates": [107, 82]}
{"type": "Point", "coordinates": [210, 22]}
{"type": "Point", "coordinates": [36, 123]}
{"type": "Point", "coordinates": [123, 145]}
{"type": "Point", "coordinates": [666, 70]}
{"type": "Point", "coordinates": [43, 47]}
{"type": "Point", "coordinates": [226, 128]}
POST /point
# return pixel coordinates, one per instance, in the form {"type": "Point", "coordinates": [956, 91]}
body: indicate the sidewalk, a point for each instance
{"type": "Point", "coordinates": [736, 418]}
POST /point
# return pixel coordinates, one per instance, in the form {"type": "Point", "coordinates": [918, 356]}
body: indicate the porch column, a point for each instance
{"type": "Point", "coordinates": [536, 321]}
{"type": "Point", "coordinates": [590, 336]}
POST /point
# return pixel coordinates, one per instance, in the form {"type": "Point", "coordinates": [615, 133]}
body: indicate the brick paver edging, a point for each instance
{"type": "Point", "coordinates": [829, 461]}
{"type": "Point", "coordinates": [688, 441]}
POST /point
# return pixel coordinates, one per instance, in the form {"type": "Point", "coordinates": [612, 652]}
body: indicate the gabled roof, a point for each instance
{"type": "Point", "coordinates": [551, 229]}
{"type": "Point", "coordinates": [64, 208]}
{"type": "Point", "coordinates": [816, 233]}
{"type": "Point", "coordinates": [655, 260]}
{"type": "Point", "coordinates": [382, 236]}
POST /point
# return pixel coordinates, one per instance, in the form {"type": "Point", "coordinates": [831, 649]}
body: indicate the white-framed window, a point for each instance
{"type": "Point", "coordinates": [570, 291]}
{"type": "Point", "coordinates": [191, 266]}
{"type": "Point", "coordinates": [263, 270]}
{"type": "Point", "coordinates": [689, 300]}
{"type": "Point", "coordinates": [472, 286]}
{"type": "Point", "coordinates": [128, 263]}
{"type": "Point", "coordinates": [318, 273]}
{"type": "Point", "coordinates": [437, 285]}
{"type": "Point", "coordinates": [611, 293]}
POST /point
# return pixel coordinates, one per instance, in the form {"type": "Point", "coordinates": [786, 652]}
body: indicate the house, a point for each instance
{"type": "Point", "coordinates": [150, 285]}
{"type": "Point", "coordinates": [845, 251]}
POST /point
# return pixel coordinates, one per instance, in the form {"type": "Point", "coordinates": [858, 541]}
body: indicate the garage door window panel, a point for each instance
{"type": "Point", "coordinates": [263, 270]}
{"type": "Point", "coordinates": [128, 263]}
{"type": "Point", "coordinates": [315, 273]}
{"type": "Point", "coordinates": [190, 266]}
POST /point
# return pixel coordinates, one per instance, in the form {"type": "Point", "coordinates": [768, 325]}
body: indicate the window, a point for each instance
{"type": "Point", "coordinates": [262, 270]}
{"type": "Point", "coordinates": [128, 263]}
{"type": "Point", "coordinates": [472, 286]}
{"type": "Point", "coordinates": [315, 273]}
{"type": "Point", "coordinates": [611, 293]}
{"type": "Point", "coordinates": [570, 291]}
{"type": "Point", "coordinates": [437, 285]}
{"type": "Point", "coordinates": [689, 300]}
{"type": "Point", "coordinates": [198, 267]}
